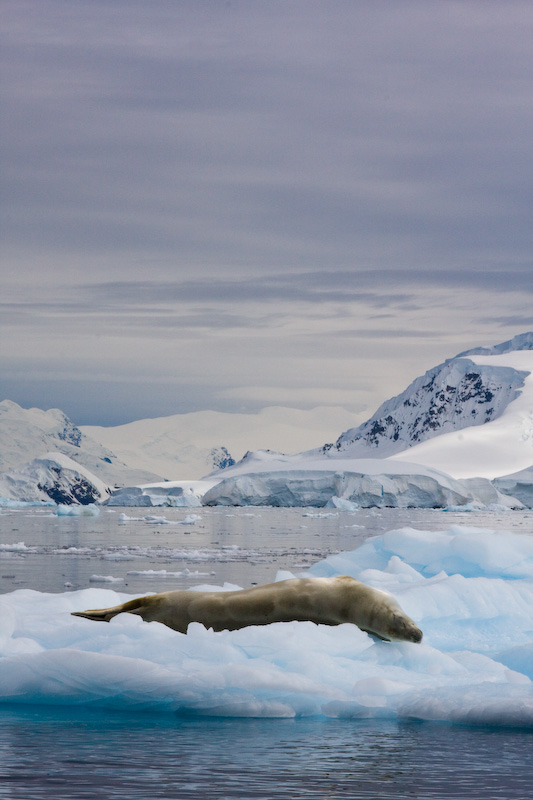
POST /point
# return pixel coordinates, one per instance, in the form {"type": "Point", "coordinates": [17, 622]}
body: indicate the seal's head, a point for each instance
{"type": "Point", "coordinates": [403, 628]}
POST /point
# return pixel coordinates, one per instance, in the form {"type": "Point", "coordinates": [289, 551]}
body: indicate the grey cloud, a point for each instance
{"type": "Point", "coordinates": [523, 322]}
{"type": "Point", "coordinates": [160, 301]}
{"type": "Point", "coordinates": [106, 402]}
{"type": "Point", "coordinates": [372, 287]}
{"type": "Point", "coordinates": [176, 170]}
{"type": "Point", "coordinates": [240, 131]}
{"type": "Point", "coordinates": [385, 333]}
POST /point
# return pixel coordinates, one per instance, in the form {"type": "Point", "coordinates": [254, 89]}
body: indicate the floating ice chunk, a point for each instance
{"type": "Point", "coordinates": [17, 547]}
{"type": "Point", "coordinates": [78, 511]}
{"type": "Point", "coordinates": [320, 514]}
{"type": "Point", "coordinates": [191, 519]}
{"type": "Point", "coordinates": [163, 573]}
{"type": "Point", "coordinates": [341, 503]}
{"type": "Point", "coordinates": [474, 665]}
{"type": "Point", "coordinates": [465, 550]}
{"type": "Point", "coordinates": [170, 494]}
{"type": "Point", "coordinates": [104, 579]}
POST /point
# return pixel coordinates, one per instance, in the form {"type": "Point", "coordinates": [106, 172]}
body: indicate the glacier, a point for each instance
{"type": "Point", "coordinates": [469, 589]}
{"type": "Point", "coordinates": [187, 446]}
{"type": "Point", "coordinates": [276, 480]}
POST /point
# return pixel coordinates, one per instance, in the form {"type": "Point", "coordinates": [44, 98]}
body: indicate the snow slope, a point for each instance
{"type": "Point", "coordinates": [470, 590]}
{"type": "Point", "coordinates": [54, 477]}
{"type": "Point", "coordinates": [501, 446]}
{"type": "Point", "coordinates": [465, 391]}
{"type": "Point", "coordinates": [187, 446]}
{"type": "Point", "coordinates": [26, 434]}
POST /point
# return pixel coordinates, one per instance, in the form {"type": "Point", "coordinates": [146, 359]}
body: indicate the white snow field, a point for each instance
{"type": "Point", "coordinates": [469, 589]}
{"type": "Point", "coordinates": [492, 450]}
{"type": "Point", "coordinates": [187, 446]}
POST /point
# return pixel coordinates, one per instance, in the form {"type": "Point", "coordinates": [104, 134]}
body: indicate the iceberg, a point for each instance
{"type": "Point", "coordinates": [273, 479]}
{"type": "Point", "coordinates": [318, 487]}
{"type": "Point", "coordinates": [469, 589]}
{"type": "Point", "coordinates": [519, 485]}
{"type": "Point", "coordinates": [91, 510]}
{"type": "Point", "coordinates": [172, 494]}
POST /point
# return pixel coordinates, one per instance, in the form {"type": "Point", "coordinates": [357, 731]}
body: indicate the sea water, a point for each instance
{"type": "Point", "coordinates": [77, 752]}
{"type": "Point", "coordinates": [152, 550]}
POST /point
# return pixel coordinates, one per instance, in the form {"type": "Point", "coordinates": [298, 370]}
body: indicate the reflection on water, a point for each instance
{"type": "Point", "coordinates": [79, 754]}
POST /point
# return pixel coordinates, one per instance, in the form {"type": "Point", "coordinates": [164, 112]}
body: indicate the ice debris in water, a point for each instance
{"type": "Point", "coordinates": [469, 589]}
{"type": "Point", "coordinates": [190, 519]}
{"type": "Point", "coordinates": [90, 510]}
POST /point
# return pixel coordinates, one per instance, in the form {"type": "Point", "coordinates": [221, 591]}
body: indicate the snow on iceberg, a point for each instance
{"type": "Point", "coordinates": [174, 494]}
{"type": "Point", "coordinates": [470, 590]}
{"type": "Point", "coordinates": [363, 482]}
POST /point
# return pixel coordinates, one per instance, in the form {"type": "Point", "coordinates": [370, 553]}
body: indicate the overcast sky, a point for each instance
{"type": "Point", "coordinates": [229, 205]}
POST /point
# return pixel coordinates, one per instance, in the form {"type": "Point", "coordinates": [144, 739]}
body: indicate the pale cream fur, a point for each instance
{"type": "Point", "coordinates": [325, 601]}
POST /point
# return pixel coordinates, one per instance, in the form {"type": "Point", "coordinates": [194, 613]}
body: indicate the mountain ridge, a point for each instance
{"type": "Point", "coordinates": [454, 395]}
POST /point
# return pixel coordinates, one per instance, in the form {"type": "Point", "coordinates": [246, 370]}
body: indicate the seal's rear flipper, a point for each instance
{"type": "Point", "coordinates": [135, 606]}
{"type": "Point", "coordinates": [98, 614]}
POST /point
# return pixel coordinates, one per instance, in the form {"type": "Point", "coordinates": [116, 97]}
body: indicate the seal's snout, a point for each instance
{"type": "Point", "coordinates": [404, 629]}
{"type": "Point", "coordinates": [416, 635]}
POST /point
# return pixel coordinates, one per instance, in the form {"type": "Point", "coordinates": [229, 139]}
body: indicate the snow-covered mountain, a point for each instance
{"type": "Point", "coordinates": [52, 478]}
{"type": "Point", "coordinates": [443, 441]}
{"type": "Point", "coordinates": [27, 434]}
{"type": "Point", "coordinates": [473, 389]}
{"type": "Point", "coordinates": [501, 446]}
{"type": "Point", "coordinates": [470, 418]}
{"type": "Point", "coordinates": [187, 446]}
{"type": "Point", "coordinates": [35, 443]}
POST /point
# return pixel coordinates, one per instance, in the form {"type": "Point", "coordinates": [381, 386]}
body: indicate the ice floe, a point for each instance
{"type": "Point", "coordinates": [469, 589]}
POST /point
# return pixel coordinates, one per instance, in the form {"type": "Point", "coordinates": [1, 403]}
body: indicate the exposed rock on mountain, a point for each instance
{"type": "Point", "coordinates": [27, 434]}
{"type": "Point", "coordinates": [455, 395]}
{"type": "Point", "coordinates": [54, 477]}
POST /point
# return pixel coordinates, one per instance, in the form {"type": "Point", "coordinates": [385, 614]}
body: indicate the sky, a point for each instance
{"type": "Point", "coordinates": [231, 205]}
